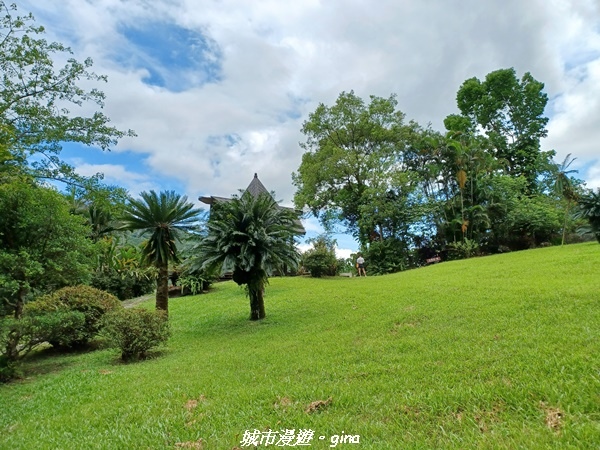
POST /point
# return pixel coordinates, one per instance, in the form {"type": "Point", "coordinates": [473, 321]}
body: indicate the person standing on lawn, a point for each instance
{"type": "Point", "coordinates": [360, 265]}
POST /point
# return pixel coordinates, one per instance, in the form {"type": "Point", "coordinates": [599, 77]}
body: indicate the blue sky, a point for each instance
{"type": "Point", "coordinates": [218, 91]}
{"type": "Point", "coordinates": [175, 57]}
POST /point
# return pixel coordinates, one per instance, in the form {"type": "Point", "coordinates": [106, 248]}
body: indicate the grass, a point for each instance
{"type": "Point", "coordinates": [495, 352]}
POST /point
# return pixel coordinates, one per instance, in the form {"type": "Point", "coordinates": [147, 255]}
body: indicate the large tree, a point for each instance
{"type": "Point", "coordinates": [42, 245]}
{"type": "Point", "coordinates": [251, 236]}
{"type": "Point", "coordinates": [351, 150]}
{"type": "Point", "coordinates": [163, 218]}
{"type": "Point", "coordinates": [38, 99]}
{"type": "Point", "coordinates": [510, 112]}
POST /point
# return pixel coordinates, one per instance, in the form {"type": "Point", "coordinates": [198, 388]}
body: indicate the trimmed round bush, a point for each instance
{"type": "Point", "coordinates": [135, 331]}
{"type": "Point", "coordinates": [91, 302]}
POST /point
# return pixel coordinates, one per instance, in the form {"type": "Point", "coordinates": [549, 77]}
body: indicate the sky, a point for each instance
{"type": "Point", "coordinates": [217, 90]}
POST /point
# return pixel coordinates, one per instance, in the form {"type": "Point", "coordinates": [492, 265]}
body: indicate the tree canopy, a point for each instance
{"type": "Point", "coordinates": [44, 234]}
{"type": "Point", "coordinates": [511, 114]}
{"type": "Point", "coordinates": [39, 102]}
{"type": "Point", "coordinates": [42, 245]}
{"type": "Point", "coordinates": [353, 153]}
{"type": "Point", "coordinates": [407, 192]}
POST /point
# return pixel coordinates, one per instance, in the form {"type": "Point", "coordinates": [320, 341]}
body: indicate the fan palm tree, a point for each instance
{"type": "Point", "coordinates": [164, 217]}
{"type": "Point", "coordinates": [251, 237]}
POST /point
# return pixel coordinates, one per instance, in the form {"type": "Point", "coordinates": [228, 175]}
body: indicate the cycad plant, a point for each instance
{"type": "Point", "coordinates": [589, 208]}
{"type": "Point", "coordinates": [164, 217]}
{"type": "Point", "coordinates": [251, 237]}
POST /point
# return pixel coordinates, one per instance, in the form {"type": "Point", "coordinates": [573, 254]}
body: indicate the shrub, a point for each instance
{"type": "Point", "coordinates": [463, 250]}
{"type": "Point", "coordinates": [589, 209]}
{"type": "Point", "coordinates": [124, 285]}
{"type": "Point", "coordinates": [9, 369]}
{"type": "Point", "coordinates": [91, 302]}
{"type": "Point", "coordinates": [321, 260]}
{"type": "Point", "coordinates": [19, 336]}
{"type": "Point", "coordinates": [61, 327]}
{"type": "Point", "coordinates": [120, 270]}
{"type": "Point", "coordinates": [135, 331]}
{"type": "Point", "coordinates": [193, 284]}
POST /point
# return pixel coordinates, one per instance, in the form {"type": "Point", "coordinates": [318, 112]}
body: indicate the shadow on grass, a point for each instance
{"type": "Point", "coordinates": [48, 359]}
{"type": "Point", "coordinates": [150, 355]}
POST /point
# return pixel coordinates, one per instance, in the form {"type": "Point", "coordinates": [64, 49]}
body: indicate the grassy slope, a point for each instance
{"type": "Point", "coordinates": [495, 352]}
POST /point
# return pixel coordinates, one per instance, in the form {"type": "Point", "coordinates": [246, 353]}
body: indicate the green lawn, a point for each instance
{"type": "Point", "coordinates": [495, 352]}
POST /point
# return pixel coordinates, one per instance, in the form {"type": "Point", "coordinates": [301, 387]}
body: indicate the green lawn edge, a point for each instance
{"type": "Point", "coordinates": [493, 352]}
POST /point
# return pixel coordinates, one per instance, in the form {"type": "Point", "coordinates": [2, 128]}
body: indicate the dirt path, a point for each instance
{"type": "Point", "coordinates": [136, 301]}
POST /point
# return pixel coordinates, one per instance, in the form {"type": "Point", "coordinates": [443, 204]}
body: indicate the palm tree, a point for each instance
{"type": "Point", "coordinates": [589, 208]}
{"type": "Point", "coordinates": [564, 187]}
{"type": "Point", "coordinates": [164, 217]}
{"type": "Point", "coordinates": [251, 237]}
{"type": "Point", "coordinates": [101, 222]}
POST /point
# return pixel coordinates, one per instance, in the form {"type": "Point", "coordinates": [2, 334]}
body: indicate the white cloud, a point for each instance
{"type": "Point", "coordinates": [304, 247]}
{"type": "Point", "coordinates": [593, 176]}
{"type": "Point", "coordinates": [344, 252]}
{"type": "Point", "coordinates": [280, 59]}
{"type": "Point", "coordinates": [339, 252]}
{"type": "Point", "coordinates": [119, 175]}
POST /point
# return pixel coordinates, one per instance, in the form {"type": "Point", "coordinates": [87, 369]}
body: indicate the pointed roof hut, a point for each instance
{"type": "Point", "coordinates": [255, 188]}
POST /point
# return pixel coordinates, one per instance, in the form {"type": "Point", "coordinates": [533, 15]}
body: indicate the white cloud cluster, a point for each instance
{"type": "Point", "coordinates": [280, 59]}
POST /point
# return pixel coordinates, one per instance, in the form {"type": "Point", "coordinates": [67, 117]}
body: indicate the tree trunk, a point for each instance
{"type": "Point", "coordinates": [11, 350]}
{"type": "Point", "coordinates": [564, 234]}
{"type": "Point", "coordinates": [257, 303]}
{"type": "Point", "coordinates": [21, 293]}
{"type": "Point", "coordinates": [162, 288]}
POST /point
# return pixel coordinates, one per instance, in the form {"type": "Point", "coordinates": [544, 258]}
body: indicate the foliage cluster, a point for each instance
{"type": "Point", "coordinates": [36, 94]}
{"type": "Point", "coordinates": [346, 265]}
{"type": "Point", "coordinates": [135, 331]}
{"type": "Point", "coordinates": [387, 256]}
{"type": "Point", "coordinates": [125, 285]}
{"type": "Point", "coordinates": [43, 246]}
{"type": "Point", "coordinates": [68, 318]}
{"type": "Point", "coordinates": [120, 270]}
{"type": "Point", "coordinates": [32, 330]}
{"type": "Point", "coordinates": [194, 284]}
{"type": "Point", "coordinates": [320, 260]}
{"type": "Point", "coordinates": [589, 209]}
{"type": "Point", "coordinates": [91, 302]}
{"type": "Point", "coordinates": [405, 191]}
{"type": "Point", "coordinates": [463, 249]}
